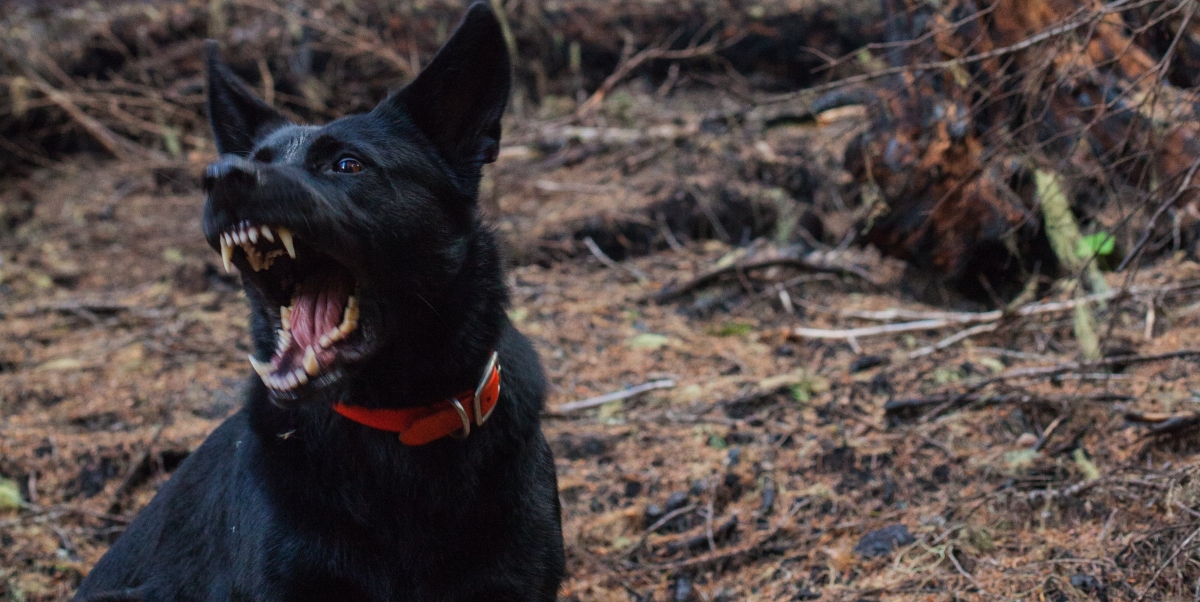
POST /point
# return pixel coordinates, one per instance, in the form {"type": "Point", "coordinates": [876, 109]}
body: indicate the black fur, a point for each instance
{"type": "Point", "coordinates": [289, 501]}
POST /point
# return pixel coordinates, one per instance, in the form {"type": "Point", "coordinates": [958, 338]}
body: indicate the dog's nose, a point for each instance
{"type": "Point", "coordinates": [229, 171]}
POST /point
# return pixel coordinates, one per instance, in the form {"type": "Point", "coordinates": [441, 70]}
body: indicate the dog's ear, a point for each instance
{"type": "Point", "coordinates": [458, 99]}
{"type": "Point", "coordinates": [238, 118]}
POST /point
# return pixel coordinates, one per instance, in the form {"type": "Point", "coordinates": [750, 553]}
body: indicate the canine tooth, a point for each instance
{"type": "Point", "coordinates": [310, 361]}
{"type": "Point", "coordinates": [285, 237]}
{"type": "Point", "coordinates": [227, 255]}
{"type": "Point", "coordinates": [285, 317]}
{"type": "Point", "coordinates": [300, 376]}
{"type": "Point", "coordinates": [263, 370]}
{"type": "Point", "coordinates": [349, 315]}
{"type": "Point", "coordinates": [253, 234]}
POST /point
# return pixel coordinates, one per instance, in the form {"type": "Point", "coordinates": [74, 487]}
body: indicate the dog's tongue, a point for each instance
{"type": "Point", "coordinates": [318, 304]}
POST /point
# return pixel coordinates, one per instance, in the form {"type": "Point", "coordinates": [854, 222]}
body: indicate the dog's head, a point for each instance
{"type": "Point", "coordinates": [344, 232]}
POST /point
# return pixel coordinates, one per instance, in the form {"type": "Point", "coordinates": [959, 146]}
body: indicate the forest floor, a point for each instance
{"type": "Point", "coordinates": [122, 345]}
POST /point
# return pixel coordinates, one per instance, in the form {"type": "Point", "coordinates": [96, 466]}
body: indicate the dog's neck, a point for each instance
{"type": "Point", "coordinates": [439, 345]}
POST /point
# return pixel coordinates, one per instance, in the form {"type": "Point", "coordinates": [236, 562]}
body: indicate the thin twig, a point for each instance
{"type": "Point", "coordinates": [962, 571]}
{"type": "Point", "coordinates": [959, 336]}
{"type": "Point", "coordinates": [658, 524]}
{"type": "Point", "coordinates": [600, 400]}
{"type": "Point", "coordinates": [603, 257]}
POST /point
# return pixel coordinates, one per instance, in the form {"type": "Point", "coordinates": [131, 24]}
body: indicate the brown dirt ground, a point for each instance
{"type": "Point", "coordinates": [122, 346]}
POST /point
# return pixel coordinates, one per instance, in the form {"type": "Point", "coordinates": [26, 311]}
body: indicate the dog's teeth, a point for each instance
{"type": "Point", "coordinates": [263, 370]}
{"type": "Point", "coordinates": [253, 234]}
{"type": "Point", "coordinates": [292, 381]}
{"type": "Point", "coordinates": [283, 341]}
{"type": "Point", "coordinates": [325, 341]}
{"type": "Point", "coordinates": [349, 317]}
{"type": "Point", "coordinates": [310, 361]}
{"type": "Point", "coordinates": [227, 254]}
{"type": "Point", "coordinates": [266, 232]}
{"type": "Point", "coordinates": [285, 237]}
{"type": "Point", "coordinates": [285, 317]}
{"type": "Point", "coordinates": [300, 376]}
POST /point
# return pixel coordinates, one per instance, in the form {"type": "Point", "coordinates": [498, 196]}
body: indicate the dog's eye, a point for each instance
{"type": "Point", "coordinates": [348, 165]}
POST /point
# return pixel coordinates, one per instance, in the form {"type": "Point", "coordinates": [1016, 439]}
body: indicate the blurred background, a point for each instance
{"type": "Point", "coordinates": [857, 300]}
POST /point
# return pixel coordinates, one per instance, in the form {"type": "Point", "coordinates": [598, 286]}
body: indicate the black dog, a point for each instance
{"type": "Point", "coordinates": [374, 459]}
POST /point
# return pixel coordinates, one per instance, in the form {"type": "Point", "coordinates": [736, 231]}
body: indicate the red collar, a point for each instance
{"type": "Point", "coordinates": [423, 424]}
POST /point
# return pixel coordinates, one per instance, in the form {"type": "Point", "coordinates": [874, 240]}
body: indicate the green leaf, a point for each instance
{"type": "Point", "coordinates": [648, 340]}
{"type": "Point", "coordinates": [10, 495]}
{"type": "Point", "coordinates": [1099, 244]}
{"type": "Point", "coordinates": [1085, 465]}
{"type": "Point", "coordinates": [1019, 459]}
{"type": "Point", "coordinates": [173, 255]}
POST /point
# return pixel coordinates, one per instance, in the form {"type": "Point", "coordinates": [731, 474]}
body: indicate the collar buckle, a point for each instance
{"type": "Point", "coordinates": [492, 366]}
{"type": "Point", "coordinates": [466, 422]}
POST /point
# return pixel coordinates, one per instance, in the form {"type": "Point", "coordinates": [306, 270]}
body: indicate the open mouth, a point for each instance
{"type": "Point", "coordinates": [318, 313]}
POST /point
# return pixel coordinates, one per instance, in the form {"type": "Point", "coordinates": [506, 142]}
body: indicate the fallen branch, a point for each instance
{"type": "Point", "coordinates": [1163, 424]}
{"type": "Point", "coordinates": [936, 320]}
{"type": "Point", "coordinates": [600, 400]}
{"type": "Point", "coordinates": [803, 263]}
{"type": "Point", "coordinates": [1056, 370]}
{"type": "Point", "coordinates": [902, 406]}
